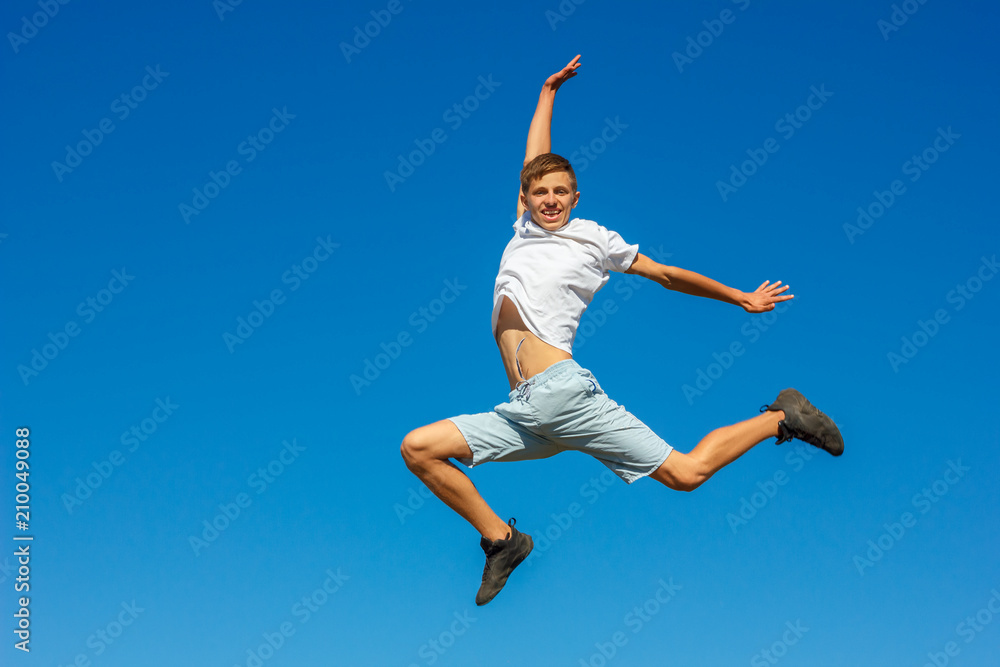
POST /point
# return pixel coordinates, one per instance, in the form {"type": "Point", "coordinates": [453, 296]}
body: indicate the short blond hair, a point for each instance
{"type": "Point", "coordinates": [546, 163]}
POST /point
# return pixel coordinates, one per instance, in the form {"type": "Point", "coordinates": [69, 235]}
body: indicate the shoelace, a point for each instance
{"type": "Point", "coordinates": [486, 570]}
{"type": "Point", "coordinates": [786, 433]}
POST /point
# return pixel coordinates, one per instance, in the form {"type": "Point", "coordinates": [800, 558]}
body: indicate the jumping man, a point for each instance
{"type": "Point", "coordinates": [549, 272]}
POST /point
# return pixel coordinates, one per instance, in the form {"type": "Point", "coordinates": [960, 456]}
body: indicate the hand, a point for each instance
{"type": "Point", "coordinates": [563, 75]}
{"type": "Point", "coordinates": [764, 297]}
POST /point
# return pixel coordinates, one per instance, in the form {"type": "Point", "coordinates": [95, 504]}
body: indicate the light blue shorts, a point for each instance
{"type": "Point", "coordinates": [563, 409]}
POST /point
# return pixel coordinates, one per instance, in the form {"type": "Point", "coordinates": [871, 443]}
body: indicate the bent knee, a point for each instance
{"type": "Point", "coordinates": [439, 441]}
{"type": "Point", "coordinates": [424, 444]}
{"type": "Point", "coordinates": [414, 448]}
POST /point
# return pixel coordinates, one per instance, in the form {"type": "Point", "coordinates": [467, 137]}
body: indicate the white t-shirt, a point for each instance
{"type": "Point", "coordinates": [552, 276]}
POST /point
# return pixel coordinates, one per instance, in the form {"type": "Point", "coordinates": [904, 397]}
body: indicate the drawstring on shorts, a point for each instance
{"type": "Point", "coordinates": [522, 386]}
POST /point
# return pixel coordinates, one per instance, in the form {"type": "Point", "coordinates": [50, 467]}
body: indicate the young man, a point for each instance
{"type": "Point", "coordinates": [549, 273]}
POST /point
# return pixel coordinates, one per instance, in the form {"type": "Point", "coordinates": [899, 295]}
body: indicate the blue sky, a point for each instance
{"type": "Point", "coordinates": [215, 215]}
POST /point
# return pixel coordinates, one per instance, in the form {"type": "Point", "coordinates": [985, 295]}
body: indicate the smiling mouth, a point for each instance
{"type": "Point", "coordinates": [551, 213]}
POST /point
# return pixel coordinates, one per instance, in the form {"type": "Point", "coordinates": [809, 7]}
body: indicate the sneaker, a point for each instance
{"type": "Point", "coordinates": [502, 556]}
{"type": "Point", "coordinates": [803, 421]}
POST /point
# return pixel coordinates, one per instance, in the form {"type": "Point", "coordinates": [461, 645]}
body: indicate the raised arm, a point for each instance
{"type": "Point", "coordinates": [540, 131]}
{"type": "Point", "coordinates": [760, 300]}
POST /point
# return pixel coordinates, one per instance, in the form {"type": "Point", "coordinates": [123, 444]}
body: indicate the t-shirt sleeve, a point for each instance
{"type": "Point", "coordinates": [620, 254]}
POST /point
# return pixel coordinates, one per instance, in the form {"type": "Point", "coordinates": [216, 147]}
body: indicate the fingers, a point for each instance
{"type": "Point", "coordinates": [767, 295]}
{"type": "Point", "coordinates": [779, 295]}
{"type": "Point", "coordinates": [772, 288]}
{"type": "Point", "coordinates": [775, 298]}
{"type": "Point", "coordinates": [570, 69]}
{"type": "Point", "coordinates": [564, 75]}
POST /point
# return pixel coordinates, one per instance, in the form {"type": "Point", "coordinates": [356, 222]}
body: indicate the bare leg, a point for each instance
{"type": "Point", "coordinates": [686, 472]}
{"type": "Point", "coordinates": [426, 451]}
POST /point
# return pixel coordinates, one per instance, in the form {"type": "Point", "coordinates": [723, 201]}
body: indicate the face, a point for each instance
{"type": "Point", "coordinates": [550, 200]}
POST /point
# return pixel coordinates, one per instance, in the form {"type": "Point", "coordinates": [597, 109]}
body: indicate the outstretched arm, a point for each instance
{"type": "Point", "coordinates": [760, 300]}
{"type": "Point", "coordinates": [540, 131]}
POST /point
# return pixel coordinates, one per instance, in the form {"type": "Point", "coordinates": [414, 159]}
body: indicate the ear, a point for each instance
{"type": "Point", "coordinates": [576, 200]}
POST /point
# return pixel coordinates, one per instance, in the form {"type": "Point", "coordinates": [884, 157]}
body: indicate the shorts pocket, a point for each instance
{"type": "Point", "coordinates": [588, 384]}
{"type": "Point", "coordinates": [521, 412]}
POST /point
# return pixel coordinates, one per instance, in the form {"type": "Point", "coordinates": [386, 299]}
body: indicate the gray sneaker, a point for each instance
{"type": "Point", "coordinates": [502, 556]}
{"type": "Point", "coordinates": [803, 421]}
